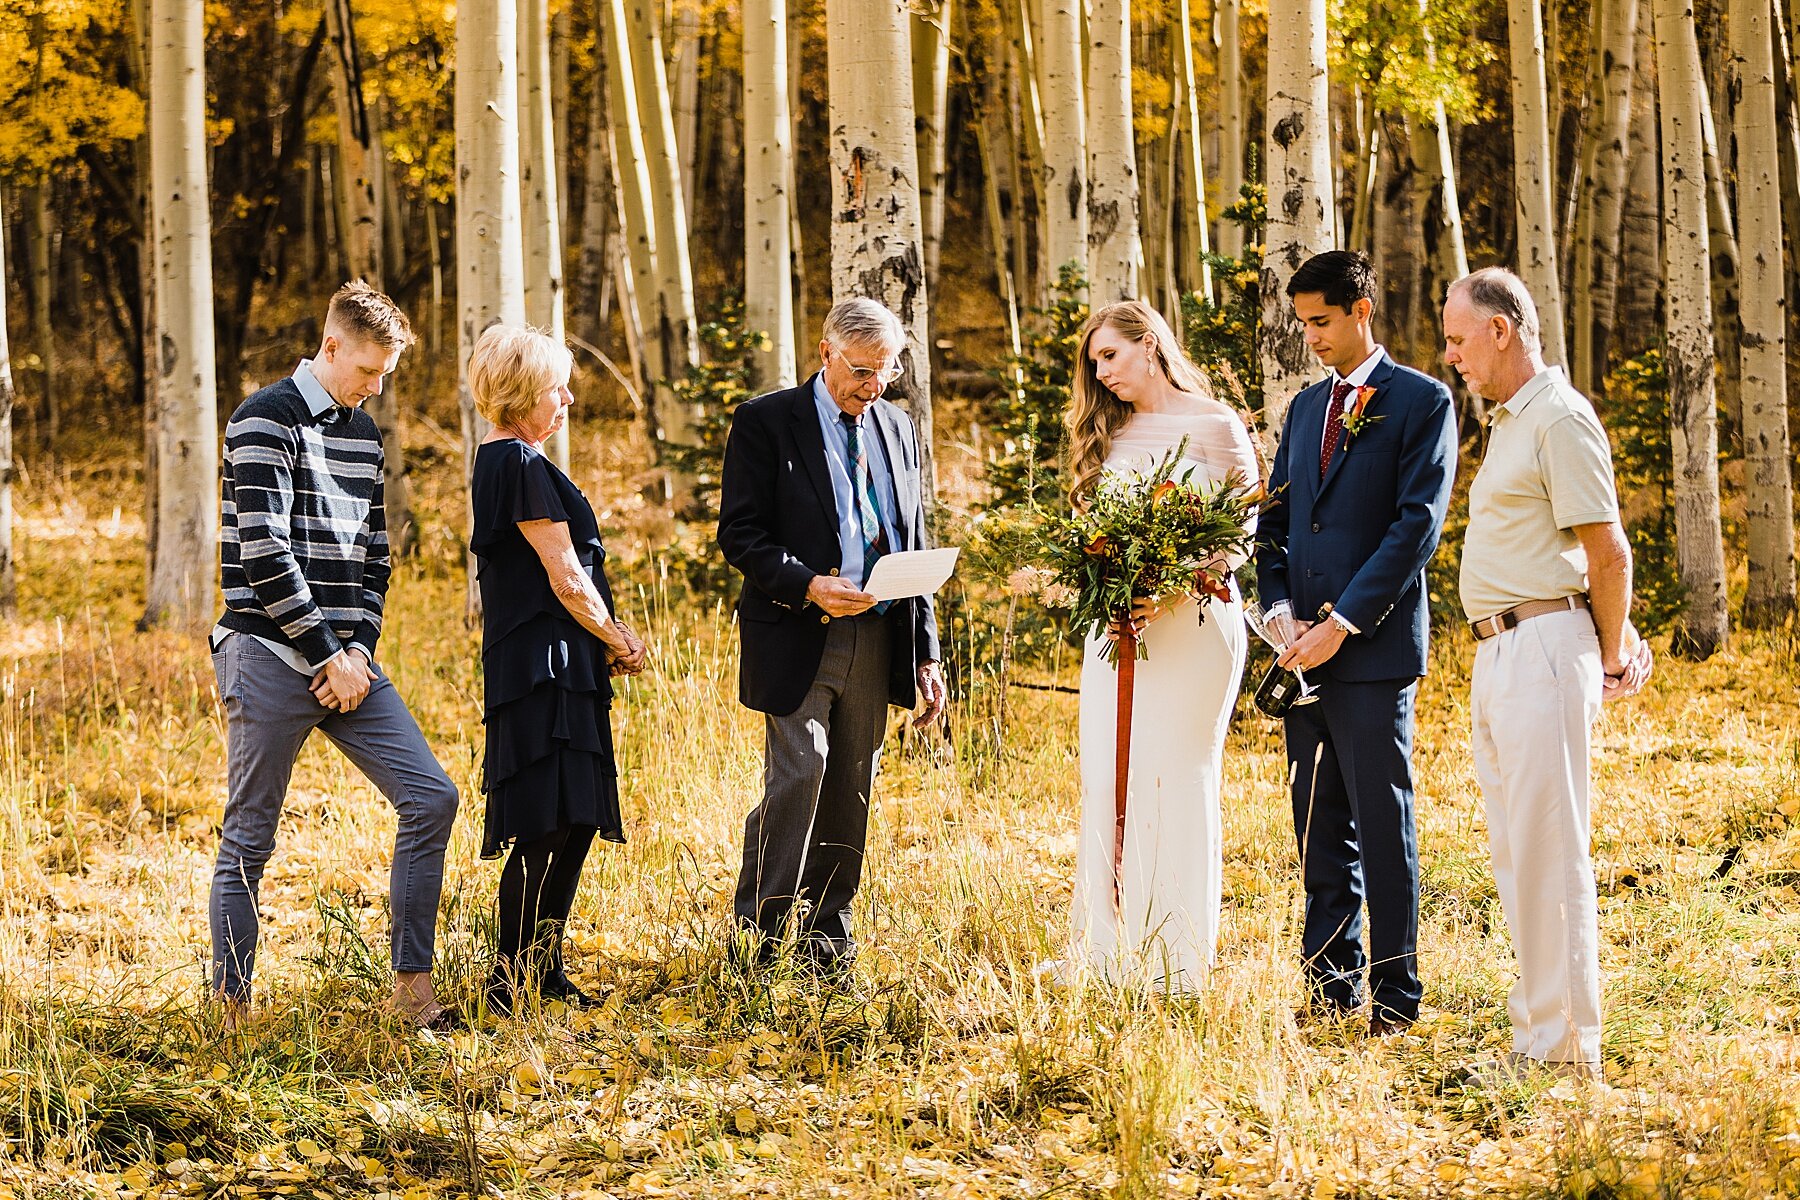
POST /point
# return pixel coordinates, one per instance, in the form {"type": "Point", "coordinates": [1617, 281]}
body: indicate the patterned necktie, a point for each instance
{"type": "Point", "coordinates": [1334, 423]}
{"type": "Point", "coordinates": [862, 485]}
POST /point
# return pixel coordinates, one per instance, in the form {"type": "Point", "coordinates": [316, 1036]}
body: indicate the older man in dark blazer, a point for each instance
{"type": "Point", "coordinates": [1361, 483]}
{"type": "Point", "coordinates": [819, 482]}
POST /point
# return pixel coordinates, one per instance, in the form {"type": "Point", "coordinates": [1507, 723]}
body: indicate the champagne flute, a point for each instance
{"type": "Point", "coordinates": [1259, 625]}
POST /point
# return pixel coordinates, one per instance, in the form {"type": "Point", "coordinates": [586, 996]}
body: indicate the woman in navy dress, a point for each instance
{"type": "Point", "coordinates": [550, 643]}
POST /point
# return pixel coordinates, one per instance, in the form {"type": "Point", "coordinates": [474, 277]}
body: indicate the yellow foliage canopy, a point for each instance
{"type": "Point", "coordinates": [53, 95]}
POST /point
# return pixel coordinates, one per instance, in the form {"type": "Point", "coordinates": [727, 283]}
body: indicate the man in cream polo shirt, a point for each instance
{"type": "Point", "coordinates": [1546, 585]}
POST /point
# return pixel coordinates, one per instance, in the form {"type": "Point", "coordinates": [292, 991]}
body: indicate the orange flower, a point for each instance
{"type": "Point", "coordinates": [1364, 394]}
{"type": "Point", "coordinates": [1160, 491]}
{"type": "Point", "coordinates": [1097, 547]}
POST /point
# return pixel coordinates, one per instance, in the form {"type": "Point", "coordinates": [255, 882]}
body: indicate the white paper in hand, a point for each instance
{"type": "Point", "coordinates": [911, 573]}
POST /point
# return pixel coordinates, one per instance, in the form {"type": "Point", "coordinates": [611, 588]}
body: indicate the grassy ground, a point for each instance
{"type": "Point", "coordinates": [945, 1067]}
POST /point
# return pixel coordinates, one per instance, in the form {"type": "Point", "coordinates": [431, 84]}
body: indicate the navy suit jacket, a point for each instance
{"type": "Point", "coordinates": [778, 526]}
{"type": "Point", "coordinates": [1360, 538]}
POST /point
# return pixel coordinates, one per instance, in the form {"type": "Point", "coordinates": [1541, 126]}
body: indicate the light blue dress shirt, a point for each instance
{"type": "Point", "coordinates": [837, 463]}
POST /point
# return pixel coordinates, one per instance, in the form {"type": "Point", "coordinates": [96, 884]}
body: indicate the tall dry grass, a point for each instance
{"type": "Point", "coordinates": [948, 1066]}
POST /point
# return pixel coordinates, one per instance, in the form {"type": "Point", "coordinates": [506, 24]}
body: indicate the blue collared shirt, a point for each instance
{"type": "Point", "coordinates": [837, 463]}
{"type": "Point", "coordinates": [318, 400]}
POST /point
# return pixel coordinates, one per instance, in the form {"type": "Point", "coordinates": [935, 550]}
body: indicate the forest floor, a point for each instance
{"type": "Point", "coordinates": [946, 1066]}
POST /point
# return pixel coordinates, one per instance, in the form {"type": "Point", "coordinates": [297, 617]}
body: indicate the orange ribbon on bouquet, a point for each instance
{"type": "Point", "coordinates": [1128, 644]}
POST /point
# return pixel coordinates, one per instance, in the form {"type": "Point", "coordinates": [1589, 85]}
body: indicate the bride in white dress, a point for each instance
{"type": "Point", "coordinates": [1137, 395]}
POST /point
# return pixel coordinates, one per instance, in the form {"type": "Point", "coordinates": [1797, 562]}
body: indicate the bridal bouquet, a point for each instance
{"type": "Point", "coordinates": [1141, 536]}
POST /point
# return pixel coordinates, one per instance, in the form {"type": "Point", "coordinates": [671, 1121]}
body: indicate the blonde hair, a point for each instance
{"type": "Point", "coordinates": [359, 311]}
{"type": "Point", "coordinates": [510, 369]}
{"type": "Point", "coordinates": [1095, 412]}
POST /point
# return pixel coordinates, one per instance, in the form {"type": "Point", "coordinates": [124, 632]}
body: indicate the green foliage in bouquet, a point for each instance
{"type": "Point", "coordinates": [1027, 419]}
{"type": "Point", "coordinates": [1222, 337]}
{"type": "Point", "coordinates": [1140, 536]}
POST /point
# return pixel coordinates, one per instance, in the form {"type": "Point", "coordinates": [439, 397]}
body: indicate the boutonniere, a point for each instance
{"type": "Point", "coordinates": [1357, 418]}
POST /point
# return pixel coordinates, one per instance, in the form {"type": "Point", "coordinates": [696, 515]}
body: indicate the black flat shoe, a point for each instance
{"type": "Point", "coordinates": [498, 996]}
{"type": "Point", "coordinates": [557, 986]}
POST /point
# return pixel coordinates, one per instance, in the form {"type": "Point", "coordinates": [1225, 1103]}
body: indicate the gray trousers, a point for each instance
{"type": "Point", "coordinates": [803, 845]}
{"type": "Point", "coordinates": [269, 711]}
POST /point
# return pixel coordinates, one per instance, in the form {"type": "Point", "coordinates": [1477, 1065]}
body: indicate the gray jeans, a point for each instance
{"type": "Point", "coordinates": [269, 711]}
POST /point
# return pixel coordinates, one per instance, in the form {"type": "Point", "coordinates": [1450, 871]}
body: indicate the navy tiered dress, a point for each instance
{"type": "Point", "coordinates": [548, 702]}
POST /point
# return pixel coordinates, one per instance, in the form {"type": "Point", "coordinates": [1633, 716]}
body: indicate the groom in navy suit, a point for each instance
{"type": "Point", "coordinates": [1361, 482]}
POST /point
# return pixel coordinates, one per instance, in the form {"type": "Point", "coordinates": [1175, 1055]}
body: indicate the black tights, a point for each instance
{"type": "Point", "coordinates": [537, 886]}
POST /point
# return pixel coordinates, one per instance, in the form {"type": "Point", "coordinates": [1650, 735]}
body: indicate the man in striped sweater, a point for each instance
{"type": "Point", "coordinates": [304, 559]}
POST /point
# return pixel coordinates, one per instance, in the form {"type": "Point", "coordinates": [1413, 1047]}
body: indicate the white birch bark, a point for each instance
{"type": "Point", "coordinates": [1533, 169]}
{"type": "Point", "coordinates": [1114, 245]}
{"type": "Point", "coordinates": [930, 84]}
{"type": "Point", "coordinates": [540, 206]}
{"type": "Point", "coordinates": [1065, 138]}
{"type": "Point", "coordinates": [183, 565]}
{"type": "Point", "coordinates": [1597, 271]}
{"type": "Point", "coordinates": [490, 259]}
{"type": "Point", "coordinates": [876, 242]}
{"type": "Point", "coordinates": [768, 250]}
{"type": "Point", "coordinates": [684, 94]}
{"type": "Point", "coordinates": [673, 332]}
{"type": "Point", "coordinates": [362, 188]}
{"type": "Point", "coordinates": [1197, 271]}
{"type": "Point", "coordinates": [1768, 482]}
{"type": "Point", "coordinates": [1298, 169]}
{"type": "Point", "coordinates": [631, 175]}
{"type": "Point", "coordinates": [1231, 126]}
{"type": "Point", "coordinates": [1693, 406]}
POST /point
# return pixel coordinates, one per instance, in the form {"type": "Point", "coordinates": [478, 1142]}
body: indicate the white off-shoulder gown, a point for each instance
{"type": "Point", "coordinates": [1182, 702]}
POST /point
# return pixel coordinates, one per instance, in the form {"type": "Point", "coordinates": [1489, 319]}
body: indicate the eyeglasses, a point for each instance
{"type": "Point", "coordinates": [863, 374]}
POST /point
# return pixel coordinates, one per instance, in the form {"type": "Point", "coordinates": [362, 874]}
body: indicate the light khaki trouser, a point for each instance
{"type": "Point", "coordinates": [1534, 697]}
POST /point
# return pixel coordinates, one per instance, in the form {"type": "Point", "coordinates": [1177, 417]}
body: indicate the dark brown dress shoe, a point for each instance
{"type": "Point", "coordinates": [1381, 1027]}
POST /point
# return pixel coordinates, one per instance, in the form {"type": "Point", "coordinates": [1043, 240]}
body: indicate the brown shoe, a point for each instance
{"type": "Point", "coordinates": [1384, 1027]}
{"type": "Point", "coordinates": [1309, 1016]}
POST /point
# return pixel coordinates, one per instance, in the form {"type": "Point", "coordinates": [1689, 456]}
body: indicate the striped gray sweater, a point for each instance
{"type": "Point", "coordinates": [302, 533]}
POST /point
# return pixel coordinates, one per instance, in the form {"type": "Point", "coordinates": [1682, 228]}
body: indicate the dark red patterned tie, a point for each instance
{"type": "Point", "coordinates": [1334, 423]}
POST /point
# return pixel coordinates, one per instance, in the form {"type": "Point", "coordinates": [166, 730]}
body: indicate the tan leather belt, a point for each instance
{"type": "Point", "coordinates": [1487, 627]}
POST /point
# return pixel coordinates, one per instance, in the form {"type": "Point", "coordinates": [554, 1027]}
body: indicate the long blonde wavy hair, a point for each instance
{"type": "Point", "coordinates": [1096, 413]}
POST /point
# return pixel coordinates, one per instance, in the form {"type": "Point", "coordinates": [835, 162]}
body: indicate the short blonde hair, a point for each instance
{"type": "Point", "coordinates": [512, 367]}
{"type": "Point", "coordinates": [359, 311]}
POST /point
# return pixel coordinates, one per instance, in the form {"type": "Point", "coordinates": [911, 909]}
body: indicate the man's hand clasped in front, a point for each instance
{"type": "Point", "coordinates": [1628, 676]}
{"type": "Point", "coordinates": [344, 680]}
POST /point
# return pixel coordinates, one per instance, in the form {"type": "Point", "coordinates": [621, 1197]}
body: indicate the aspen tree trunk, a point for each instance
{"type": "Point", "coordinates": [683, 89]}
{"type": "Point", "coordinates": [1788, 122]}
{"type": "Point", "coordinates": [561, 30]}
{"type": "Point", "coordinates": [1297, 162]}
{"type": "Point", "coordinates": [876, 248]}
{"type": "Point", "coordinates": [673, 331]}
{"type": "Point", "coordinates": [1022, 73]}
{"type": "Point", "coordinates": [1114, 248]}
{"type": "Point", "coordinates": [802, 293]}
{"type": "Point", "coordinates": [1576, 231]}
{"type": "Point", "coordinates": [596, 207]}
{"type": "Point", "coordinates": [1533, 169]}
{"type": "Point", "coordinates": [1768, 482]}
{"type": "Point", "coordinates": [182, 564]}
{"type": "Point", "coordinates": [1065, 140]}
{"type": "Point", "coordinates": [1362, 222]}
{"type": "Point", "coordinates": [1197, 241]}
{"type": "Point", "coordinates": [9, 575]}
{"type": "Point", "coordinates": [1640, 252]}
{"type": "Point", "coordinates": [490, 256]}
{"type": "Point", "coordinates": [1597, 271]}
{"type": "Point", "coordinates": [361, 180]}
{"type": "Point", "coordinates": [930, 85]}
{"type": "Point", "coordinates": [631, 178]}
{"type": "Point", "coordinates": [1231, 126]}
{"type": "Point", "coordinates": [1727, 290]}
{"type": "Point", "coordinates": [768, 251]}
{"type": "Point", "coordinates": [1440, 212]}
{"type": "Point", "coordinates": [149, 353]}
{"type": "Point", "coordinates": [43, 330]}
{"type": "Point", "coordinates": [996, 223]}
{"type": "Point", "coordinates": [1020, 162]}
{"type": "Point", "coordinates": [1693, 408]}
{"type": "Point", "coordinates": [540, 204]}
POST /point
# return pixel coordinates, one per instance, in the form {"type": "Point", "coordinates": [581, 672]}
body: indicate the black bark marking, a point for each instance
{"type": "Point", "coordinates": [1288, 129]}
